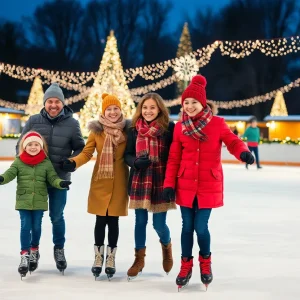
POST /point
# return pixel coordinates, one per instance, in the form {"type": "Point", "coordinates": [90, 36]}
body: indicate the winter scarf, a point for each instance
{"type": "Point", "coordinates": [114, 137]}
{"type": "Point", "coordinates": [32, 160]}
{"type": "Point", "coordinates": [147, 185]}
{"type": "Point", "coordinates": [192, 126]}
{"type": "Point", "coordinates": [147, 143]}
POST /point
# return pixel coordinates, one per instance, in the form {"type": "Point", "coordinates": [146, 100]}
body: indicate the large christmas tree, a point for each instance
{"type": "Point", "coordinates": [35, 100]}
{"type": "Point", "coordinates": [110, 79]}
{"type": "Point", "coordinates": [184, 48]}
{"type": "Point", "coordinates": [279, 107]}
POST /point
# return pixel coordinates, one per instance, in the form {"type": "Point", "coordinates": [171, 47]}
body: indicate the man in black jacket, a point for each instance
{"type": "Point", "coordinates": [56, 124]}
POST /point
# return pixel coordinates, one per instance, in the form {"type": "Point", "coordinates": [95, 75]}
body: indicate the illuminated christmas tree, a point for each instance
{"type": "Point", "coordinates": [279, 107]}
{"type": "Point", "coordinates": [184, 48]}
{"type": "Point", "coordinates": [35, 100]}
{"type": "Point", "coordinates": [110, 79]}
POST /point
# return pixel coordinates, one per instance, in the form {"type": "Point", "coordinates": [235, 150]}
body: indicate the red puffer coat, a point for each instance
{"type": "Point", "coordinates": [194, 167]}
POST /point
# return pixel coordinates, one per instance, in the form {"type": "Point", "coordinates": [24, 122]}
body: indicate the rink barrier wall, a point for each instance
{"type": "Point", "coordinates": [270, 154]}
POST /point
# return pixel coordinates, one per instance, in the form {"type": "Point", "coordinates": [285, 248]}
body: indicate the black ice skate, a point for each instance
{"type": "Point", "coordinates": [60, 260]}
{"type": "Point", "coordinates": [185, 273]}
{"type": "Point", "coordinates": [110, 264]}
{"type": "Point", "coordinates": [205, 268]}
{"type": "Point", "coordinates": [98, 263]}
{"type": "Point", "coordinates": [34, 259]}
{"type": "Point", "coordinates": [24, 264]}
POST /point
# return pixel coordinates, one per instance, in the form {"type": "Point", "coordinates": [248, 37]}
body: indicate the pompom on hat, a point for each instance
{"type": "Point", "coordinates": [196, 90]}
{"type": "Point", "coordinates": [32, 137]}
{"type": "Point", "coordinates": [109, 99]}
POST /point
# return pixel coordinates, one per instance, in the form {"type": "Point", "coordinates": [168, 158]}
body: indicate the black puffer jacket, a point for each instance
{"type": "Point", "coordinates": [62, 135]}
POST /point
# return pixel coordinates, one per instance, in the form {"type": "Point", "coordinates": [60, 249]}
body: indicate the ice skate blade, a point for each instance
{"type": "Point", "coordinates": [181, 287]}
{"type": "Point", "coordinates": [109, 277]}
{"type": "Point", "coordinates": [130, 278]}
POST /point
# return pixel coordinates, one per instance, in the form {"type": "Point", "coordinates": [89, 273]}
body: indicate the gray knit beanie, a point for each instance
{"type": "Point", "coordinates": [54, 91]}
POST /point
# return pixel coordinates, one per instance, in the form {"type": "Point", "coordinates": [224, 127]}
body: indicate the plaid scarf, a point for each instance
{"type": "Point", "coordinates": [147, 143]}
{"type": "Point", "coordinates": [147, 185]}
{"type": "Point", "coordinates": [193, 126]}
{"type": "Point", "coordinates": [113, 138]}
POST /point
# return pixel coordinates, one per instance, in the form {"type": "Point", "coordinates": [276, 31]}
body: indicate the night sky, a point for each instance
{"type": "Point", "coordinates": [15, 9]}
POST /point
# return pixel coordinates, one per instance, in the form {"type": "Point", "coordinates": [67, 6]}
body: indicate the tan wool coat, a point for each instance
{"type": "Point", "coordinates": [106, 194]}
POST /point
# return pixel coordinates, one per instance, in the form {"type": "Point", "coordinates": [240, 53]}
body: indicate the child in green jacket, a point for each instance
{"type": "Point", "coordinates": [252, 134]}
{"type": "Point", "coordinates": [33, 170]}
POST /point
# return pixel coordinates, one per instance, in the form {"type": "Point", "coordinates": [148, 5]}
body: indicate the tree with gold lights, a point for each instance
{"type": "Point", "coordinates": [279, 107]}
{"type": "Point", "coordinates": [184, 48]}
{"type": "Point", "coordinates": [110, 79]}
{"type": "Point", "coordinates": [35, 100]}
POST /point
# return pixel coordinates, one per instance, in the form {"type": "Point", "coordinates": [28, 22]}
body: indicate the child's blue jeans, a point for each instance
{"type": "Point", "coordinates": [31, 228]}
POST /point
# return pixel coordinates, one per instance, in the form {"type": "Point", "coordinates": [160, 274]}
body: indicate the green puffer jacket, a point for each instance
{"type": "Point", "coordinates": [32, 181]}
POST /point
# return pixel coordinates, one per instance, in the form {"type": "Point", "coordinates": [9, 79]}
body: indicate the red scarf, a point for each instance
{"type": "Point", "coordinates": [32, 160]}
{"type": "Point", "coordinates": [146, 142]}
{"type": "Point", "coordinates": [192, 126]}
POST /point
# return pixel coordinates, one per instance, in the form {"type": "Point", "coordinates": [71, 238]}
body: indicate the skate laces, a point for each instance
{"type": "Point", "coordinates": [110, 261]}
{"type": "Point", "coordinates": [60, 254]}
{"type": "Point", "coordinates": [98, 260]}
{"type": "Point", "coordinates": [186, 267]}
{"type": "Point", "coordinates": [205, 267]}
{"type": "Point", "coordinates": [34, 255]}
{"type": "Point", "coordinates": [24, 260]}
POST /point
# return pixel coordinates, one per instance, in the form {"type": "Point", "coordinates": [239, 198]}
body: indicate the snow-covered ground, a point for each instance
{"type": "Point", "coordinates": [255, 245]}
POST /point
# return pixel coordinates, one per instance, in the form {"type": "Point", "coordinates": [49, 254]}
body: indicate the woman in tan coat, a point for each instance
{"type": "Point", "coordinates": [108, 198]}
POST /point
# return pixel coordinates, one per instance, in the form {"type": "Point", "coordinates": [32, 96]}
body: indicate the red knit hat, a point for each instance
{"type": "Point", "coordinates": [196, 90]}
{"type": "Point", "coordinates": [32, 137]}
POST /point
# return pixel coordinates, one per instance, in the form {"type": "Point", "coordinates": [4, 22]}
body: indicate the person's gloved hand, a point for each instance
{"type": "Point", "coordinates": [247, 157]}
{"type": "Point", "coordinates": [168, 194]}
{"type": "Point", "coordinates": [68, 166]}
{"type": "Point", "coordinates": [65, 184]}
{"type": "Point", "coordinates": [142, 163]}
{"type": "Point", "coordinates": [1, 179]}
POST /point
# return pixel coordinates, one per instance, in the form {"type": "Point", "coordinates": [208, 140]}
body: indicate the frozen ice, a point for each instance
{"type": "Point", "coordinates": [255, 245]}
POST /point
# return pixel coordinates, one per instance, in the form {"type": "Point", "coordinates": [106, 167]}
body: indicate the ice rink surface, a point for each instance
{"type": "Point", "coordinates": [255, 246]}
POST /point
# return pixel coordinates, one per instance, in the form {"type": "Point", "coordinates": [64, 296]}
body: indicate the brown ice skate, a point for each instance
{"type": "Point", "coordinates": [138, 265]}
{"type": "Point", "coordinates": [167, 257]}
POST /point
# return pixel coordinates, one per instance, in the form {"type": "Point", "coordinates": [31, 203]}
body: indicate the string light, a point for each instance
{"type": "Point", "coordinates": [235, 49]}
{"type": "Point", "coordinates": [173, 102]}
{"type": "Point", "coordinates": [269, 47]}
{"type": "Point", "coordinates": [257, 99]}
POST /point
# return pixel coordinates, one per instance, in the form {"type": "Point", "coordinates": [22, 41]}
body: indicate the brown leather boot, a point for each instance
{"type": "Point", "coordinates": [167, 257]}
{"type": "Point", "coordinates": [139, 263]}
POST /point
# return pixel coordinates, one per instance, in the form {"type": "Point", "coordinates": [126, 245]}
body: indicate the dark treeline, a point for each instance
{"type": "Point", "coordinates": [64, 35]}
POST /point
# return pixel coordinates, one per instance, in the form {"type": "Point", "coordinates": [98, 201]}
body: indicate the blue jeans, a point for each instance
{"type": "Point", "coordinates": [31, 228]}
{"type": "Point", "coordinates": [255, 151]}
{"type": "Point", "coordinates": [195, 219]}
{"type": "Point", "coordinates": [57, 203]}
{"type": "Point", "coordinates": [159, 224]}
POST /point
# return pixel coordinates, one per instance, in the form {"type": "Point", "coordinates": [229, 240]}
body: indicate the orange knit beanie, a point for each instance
{"type": "Point", "coordinates": [109, 100]}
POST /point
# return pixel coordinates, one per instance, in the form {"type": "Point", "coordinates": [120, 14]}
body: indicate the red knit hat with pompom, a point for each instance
{"type": "Point", "coordinates": [32, 137]}
{"type": "Point", "coordinates": [196, 90]}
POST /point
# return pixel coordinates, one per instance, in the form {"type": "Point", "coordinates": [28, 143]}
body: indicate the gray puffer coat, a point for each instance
{"type": "Point", "coordinates": [62, 135]}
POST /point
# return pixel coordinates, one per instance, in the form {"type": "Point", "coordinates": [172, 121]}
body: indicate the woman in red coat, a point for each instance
{"type": "Point", "coordinates": [194, 172]}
